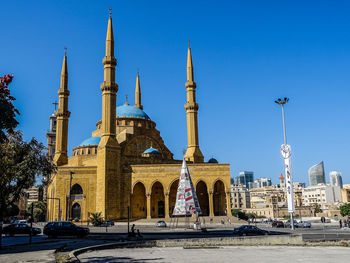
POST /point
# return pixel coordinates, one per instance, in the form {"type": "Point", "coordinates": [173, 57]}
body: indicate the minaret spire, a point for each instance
{"type": "Point", "coordinates": [108, 151]}
{"type": "Point", "coordinates": [193, 152]}
{"type": "Point", "coordinates": [62, 115]}
{"type": "Point", "coordinates": [138, 92]}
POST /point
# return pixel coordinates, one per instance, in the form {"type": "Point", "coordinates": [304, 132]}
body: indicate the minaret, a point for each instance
{"type": "Point", "coordinates": [62, 115]}
{"type": "Point", "coordinates": [138, 92]}
{"type": "Point", "coordinates": [108, 183]}
{"type": "Point", "coordinates": [193, 152]}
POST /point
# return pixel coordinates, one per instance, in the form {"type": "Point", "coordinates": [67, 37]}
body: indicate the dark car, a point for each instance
{"type": "Point", "coordinates": [248, 230]}
{"type": "Point", "coordinates": [54, 229]}
{"type": "Point", "coordinates": [19, 229]}
{"type": "Point", "coordinates": [278, 224]}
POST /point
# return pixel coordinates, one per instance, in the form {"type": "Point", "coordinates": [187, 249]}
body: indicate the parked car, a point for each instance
{"type": "Point", "coordinates": [248, 230]}
{"type": "Point", "coordinates": [54, 229]}
{"type": "Point", "coordinates": [288, 224]}
{"type": "Point", "coordinates": [161, 224]}
{"type": "Point", "coordinates": [107, 223]}
{"type": "Point", "coordinates": [278, 224]}
{"type": "Point", "coordinates": [14, 229]}
{"type": "Point", "coordinates": [304, 224]}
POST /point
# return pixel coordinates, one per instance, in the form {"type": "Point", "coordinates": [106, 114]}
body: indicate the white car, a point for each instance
{"type": "Point", "coordinates": [304, 224]}
{"type": "Point", "coordinates": [160, 224]}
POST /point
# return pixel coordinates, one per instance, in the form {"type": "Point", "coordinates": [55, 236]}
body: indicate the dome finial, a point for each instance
{"type": "Point", "coordinates": [126, 99]}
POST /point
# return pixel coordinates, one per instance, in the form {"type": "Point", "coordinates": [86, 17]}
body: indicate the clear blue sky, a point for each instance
{"type": "Point", "coordinates": [246, 54]}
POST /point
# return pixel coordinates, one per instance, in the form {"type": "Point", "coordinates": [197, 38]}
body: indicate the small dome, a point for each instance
{"type": "Point", "coordinates": [91, 141]}
{"type": "Point", "coordinates": [213, 160]}
{"type": "Point", "coordinates": [131, 112]}
{"type": "Point", "coordinates": [151, 150]}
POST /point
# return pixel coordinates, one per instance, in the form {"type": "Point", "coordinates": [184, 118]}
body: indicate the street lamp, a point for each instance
{"type": "Point", "coordinates": [286, 154]}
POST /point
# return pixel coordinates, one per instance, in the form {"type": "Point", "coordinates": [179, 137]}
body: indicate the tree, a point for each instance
{"type": "Point", "coordinates": [239, 214]}
{"type": "Point", "coordinates": [39, 210]}
{"type": "Point", "coordinates": [345, 209]}
{"type": "Point", "coordinates": [8, 111]}
{"type": "Point", "coordinates": [317, 208]}
{"type": "Point", "coordinates": [20, 163]}
{"type": "Point", "coordinates": [96, 219]}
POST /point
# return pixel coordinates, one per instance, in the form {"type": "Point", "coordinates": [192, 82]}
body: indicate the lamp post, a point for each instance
{"type": "Point", "coordinates": [286, 154]}
{"type": "Point", "coordinates": [69, 199]}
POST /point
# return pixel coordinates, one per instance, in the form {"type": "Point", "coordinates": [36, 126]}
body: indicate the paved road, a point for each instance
{"type": "Point", "coordinates": [222, 254]}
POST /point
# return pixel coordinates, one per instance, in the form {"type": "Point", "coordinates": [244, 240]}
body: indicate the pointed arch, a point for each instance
{"type": "Point", "coordinates": [157, 200]}
{"type": "Point", "coordinates": [203, 197]}
{"type": "Point", "coordinates": [76, 190]}
{"type": "Point", "coordinates": [138, 201]}
{"type": "Point", "coordinates": [172, 195]}
{"type": "Point", "coordinates": [219, 198]}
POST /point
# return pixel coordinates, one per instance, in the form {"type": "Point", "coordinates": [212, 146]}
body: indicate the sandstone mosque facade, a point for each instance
{"type": "Point", "coordinates": [126, 164]}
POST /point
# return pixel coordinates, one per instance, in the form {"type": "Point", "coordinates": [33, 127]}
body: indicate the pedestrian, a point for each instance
{"type": "Point", "coordinates": [340, 224]}
{"type": "Point", "coordinates": [229, 221]}
{"type": "Point", "coordinates": [222, 221]}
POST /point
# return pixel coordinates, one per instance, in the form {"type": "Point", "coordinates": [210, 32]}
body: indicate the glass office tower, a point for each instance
{"type": "Point", "coordinates": [336, 179]}
{"type": "Point", "coordinates": [245, 178]}
{"type": "Point", "coordinates": [316, 174]}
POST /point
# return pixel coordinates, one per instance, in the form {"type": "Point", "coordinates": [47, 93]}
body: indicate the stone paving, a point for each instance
{"type": "Point", "coordinates": [221, 254]}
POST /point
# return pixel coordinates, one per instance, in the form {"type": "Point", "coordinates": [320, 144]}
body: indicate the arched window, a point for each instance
{"type": "Point", "coordinates": [76, 190]}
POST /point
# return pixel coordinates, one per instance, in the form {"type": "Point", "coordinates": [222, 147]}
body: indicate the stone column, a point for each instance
{"type": "Point", "coordinates": [228, 203]}
{"type": "Point", "coordinates": [148, 206]}
{"type": "Point", "coordinates": [211, 206]}
{"type": "Point", "coordinates": [166, 205]}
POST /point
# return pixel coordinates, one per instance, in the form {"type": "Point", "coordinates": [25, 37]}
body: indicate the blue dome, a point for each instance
{"type": "Point", "coordinates": [91, 141]}
{"type": "Point", "coordinates": [212, 160]}
{"type": "Point", "coordinates": [151, 150]}
{"type": "Point", "coordinates": [131, 111]}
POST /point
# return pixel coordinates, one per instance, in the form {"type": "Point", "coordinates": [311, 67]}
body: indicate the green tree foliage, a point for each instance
{"type": "Point", "coordinates": [345, 209]}
{"type": "Point", "coordinates": [20, 161]}
{"type": "Point", "coordinates": [39, 210]}
{"type": "Point", "coordinates": [96, 219]}
{"type": "Point", "coordinates": [317, 208]}
{"type": "Point", "coordinates": [239, 214]}
{"type": "Point", "coordinates": [8, 112]}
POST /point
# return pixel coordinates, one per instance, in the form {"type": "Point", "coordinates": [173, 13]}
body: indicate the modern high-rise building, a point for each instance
{"type": "Point", "coordinates": [260, 183]}
{"type": "Point", "coordinates": [336, 179]}
{"type": "Point", "coordinates": [316, 174]}
{"type": "Point", "coordinates": [245, 178]}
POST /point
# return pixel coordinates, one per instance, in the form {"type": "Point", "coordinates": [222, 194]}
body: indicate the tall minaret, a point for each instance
{"type": "Point", "coordinates": [193, 152]}
{"type": "Point", "coordinates": [62, 115]}
{"type": "Point", "coordinates": [108, 152]}
{"type": "Point", "coordinates": [138, 92]}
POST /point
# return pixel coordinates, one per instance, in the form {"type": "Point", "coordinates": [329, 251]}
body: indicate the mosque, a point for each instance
{"type": "Point", "coordinates": [125, 166]}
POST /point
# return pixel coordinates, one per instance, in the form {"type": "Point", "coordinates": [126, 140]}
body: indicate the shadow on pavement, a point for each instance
{"type": "Point", "coordinates": [111, 259]}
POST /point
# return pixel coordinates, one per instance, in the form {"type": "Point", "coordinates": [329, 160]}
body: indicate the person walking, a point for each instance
{"type": "Point", "coordinates": [340, 224]}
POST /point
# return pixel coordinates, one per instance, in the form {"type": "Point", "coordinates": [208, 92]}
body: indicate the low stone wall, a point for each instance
{"type": "Point", "coordinates": [274, 240]}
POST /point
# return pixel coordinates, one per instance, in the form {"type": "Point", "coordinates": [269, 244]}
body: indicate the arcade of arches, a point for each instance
{"type": "Point", "coordinates": [159, 201]}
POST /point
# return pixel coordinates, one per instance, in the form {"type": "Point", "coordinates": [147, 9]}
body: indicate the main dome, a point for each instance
{"type": "Point", "coordinates": [91, 141]}
{"type": "Point", "coordinates": [131, 112]}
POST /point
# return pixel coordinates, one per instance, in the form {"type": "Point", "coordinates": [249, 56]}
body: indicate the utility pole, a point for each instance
{"type": "Point", "coordinates": [70, 196]}
{"type": "Point", "coordinates": [286, 154]}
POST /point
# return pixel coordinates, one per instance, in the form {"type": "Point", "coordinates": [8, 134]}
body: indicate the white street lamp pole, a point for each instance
{"type": "Point", "coordinates": [286, 155]}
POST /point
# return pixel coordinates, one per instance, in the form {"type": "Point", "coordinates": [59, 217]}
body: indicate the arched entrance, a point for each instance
{"type": "Point", "coordinates": [172, 196]}
{"type": "Point", "coordinates": [157, 200]}
{"type": "Point", "coordinates": [76, 211]}
{"type": "Point", "coordinates": [138, 202]}
{"type": "Point", "coordinates": [219, 199]}
{"type": "Point", "coordinates": [203, 198]}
